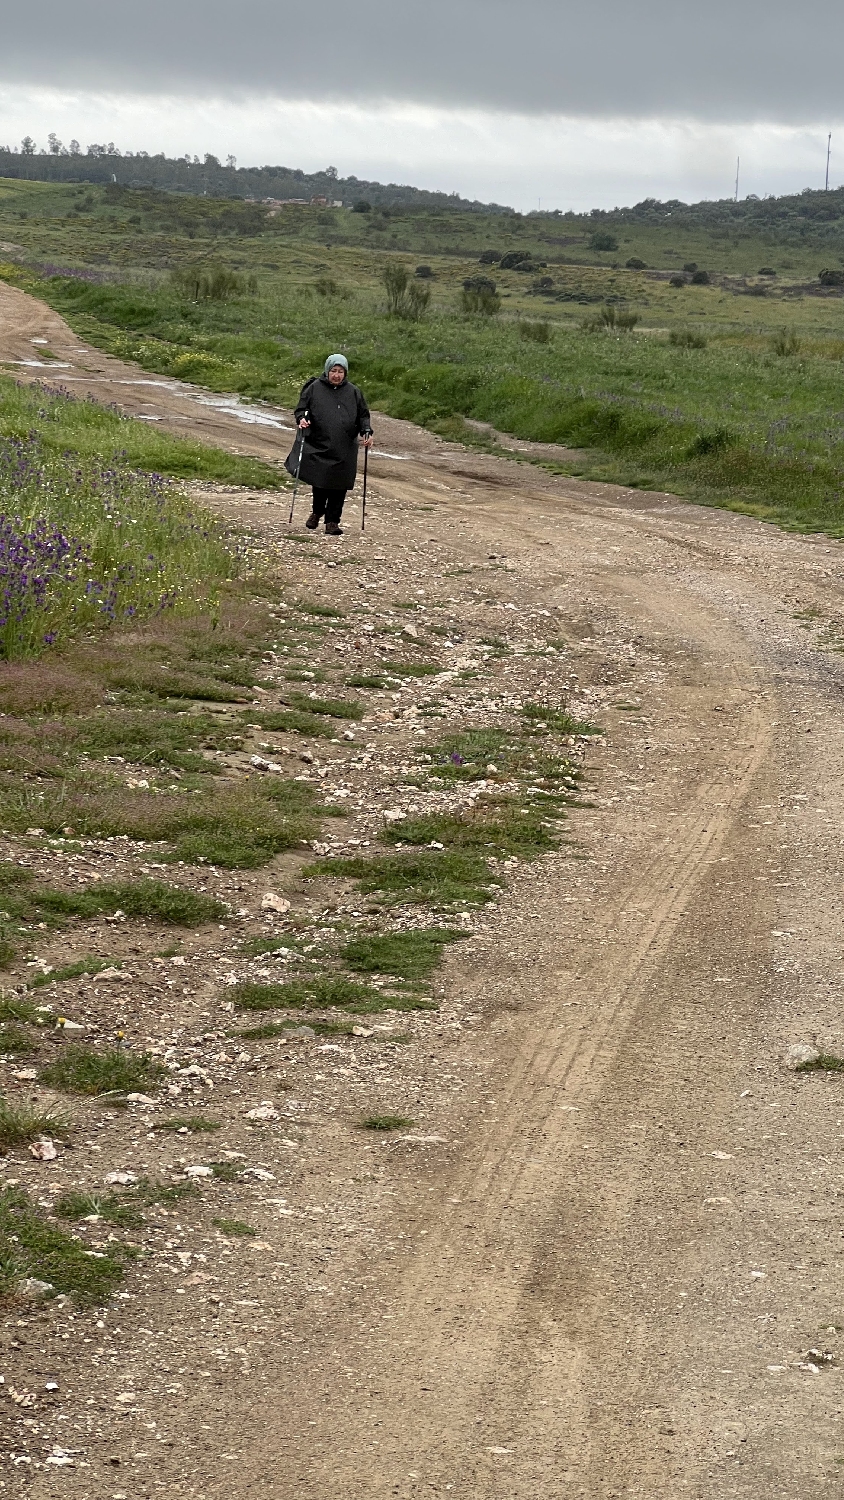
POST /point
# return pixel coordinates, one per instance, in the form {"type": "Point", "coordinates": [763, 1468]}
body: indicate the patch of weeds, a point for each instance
{"type": "Point", "coordinates": [407, 955]}
{"type": "Point", "coordinates": [501, 826]}
{"type": "Point", "coordinates": [314, 675]}
{"type": "Point", "coordinates": [555, 720]}
{"type": "Point", "coordinates": [30, 1247]}
{"type": "Point", "coordinates": [385, 1122]}
{"type": "Point", "coordinates": [86, 967]}
{"type": "Point", "coordinates": [497, 642]}
{"type": "Point", "coordinates": [14, 1008]}
{"type": "Point", "coordinates": [325, 611]}
{"type": "Point", "coordinates": [255, 947]}
{"type": "Point", "coordinates": [464, 755]}
{"type": "Point", "coordinates": [235, 1227]}
{"type": "Point", "coordinates": [82, 1070]}
{"type": "Point", "coordinates": [237, 826]}
{"type": "Point", "coordinates": [156, 739]}
{"type": "Point", "coordinates": [154, 899]}
{"type": "Point", "coordinates": [291, 721]}
{"type": "Point", "coordinates": [414, 669]}
{"type": "Point", "coordinates": [20, 1123]}
{"type": "Point", "coordinates": [15, 1042]}
{"type": "Point", "coordinates": [333, 708]}
{"type": "Point", "coordinates": [440, 879]}
{"type": "Point", "coordinates": [195, 1124]}
{"type": "Point", "coordinates": [121, 1209]}
{"type": "Point", "coordinates": [225, 1171]}
{"type": "Point", "coordinates": [324, 992]}
{"type": "Point", "coordinates": [827, 1062]}
{"type": "Point", "coordinates": [366, 682]}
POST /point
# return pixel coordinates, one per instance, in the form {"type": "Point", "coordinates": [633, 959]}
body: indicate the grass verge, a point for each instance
{"type": "Point", "coordinates": [32, 1248]}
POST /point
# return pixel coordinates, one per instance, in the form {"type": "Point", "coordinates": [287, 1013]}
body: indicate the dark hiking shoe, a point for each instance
{"type": "Point", "coordinates": [332, 529]}
{"type": "Point", "coordinates": [312, 521]}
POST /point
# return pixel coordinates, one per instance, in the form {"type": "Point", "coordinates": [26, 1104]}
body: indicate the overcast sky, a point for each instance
{"type": "Point", "coordinates": [578, 104]}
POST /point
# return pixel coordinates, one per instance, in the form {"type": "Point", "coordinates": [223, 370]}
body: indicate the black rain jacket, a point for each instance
{"type": "Point", "coordinates": [338, 416]}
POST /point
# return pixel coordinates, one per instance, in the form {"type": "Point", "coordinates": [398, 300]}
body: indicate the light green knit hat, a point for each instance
{"type": "Point", "coordinates": [336, 359]}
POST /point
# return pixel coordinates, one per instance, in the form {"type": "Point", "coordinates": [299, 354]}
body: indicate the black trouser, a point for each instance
{"type": "Point", "coordinates": [329, 503]}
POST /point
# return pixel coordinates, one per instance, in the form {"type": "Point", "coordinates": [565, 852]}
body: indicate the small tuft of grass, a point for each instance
{"type": "Point", "coordinates": [366, 682]}
{"type": "Point", "coordinates": [15, 1042]}
{"type": "Point", "coordinates": [324, 992]}
{"type": "Point", "coordinates": [407, 955]}
{"type": "Point", "coordinates": [225, 1171]}
{"type": "Point", "coordinates": [827, 1062]}
{"type": "Point", "coordinates": [321, 611]}
{"type": "Point", "coordinates": [292, 721]}
{"type": "Point", "coordinates": [86, 967]}
{"type": "Point", "coordinates": [430, 877]}
{"type": "Point", "coordinates": [414, 669]}
{"type": "Point", "coordinates": [30, 1247]}
{"type": "Point", "coordinates": [20, 1123]}
{"type": "Point", "coordinates": [385, 1122]}
{"type": "Point", "coordinates": [501, 826]}
{"type": "Point", "coordinates": [332, 708]}
{"type": "Point", "coordinates": [234, 1226]}
{"type": "Point", "coordinates": [194, 1124]}
{"type": "Point", "coordinates": [79, 1069]}
{"type": "Point", "coordinates": [15, 1008]}
{"type": "Point", "coordinates": [121, 1209]}
{"type": "Point", "coordinates": [554, 720]}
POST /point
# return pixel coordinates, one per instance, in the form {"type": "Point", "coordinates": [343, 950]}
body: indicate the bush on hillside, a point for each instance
{"type": "Point", "coordinates": [602, 240]}
{"type": "Point", "coordinates": [479, 295]}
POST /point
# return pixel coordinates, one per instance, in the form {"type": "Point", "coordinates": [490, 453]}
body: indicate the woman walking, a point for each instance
{"type": "Point", "coordinates": [331, 416]}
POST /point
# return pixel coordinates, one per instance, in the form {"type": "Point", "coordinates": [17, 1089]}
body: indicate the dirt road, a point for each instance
{"type": "Point", "coordinates": [604, 1274]}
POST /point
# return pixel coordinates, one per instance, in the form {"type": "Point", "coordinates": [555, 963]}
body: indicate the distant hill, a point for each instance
{"type": "Point", "coordinates": [102, 164]}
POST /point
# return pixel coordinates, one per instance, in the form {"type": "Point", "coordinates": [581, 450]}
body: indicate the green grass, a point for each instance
{"type": "Point", "coordinates": [366, 681]}
{"type": "Point", "coordinates": [120, 1209]}
{"type": "Point", "coordinates": [79, 1069]}
{"type": "Point", "coordinates": [406, 955]}
{"type": "Point", "coordinates": [15, 1042]}
{"type": "Point", "coordinates": [413, 669]}
{"type": "Point", "coordinates": [30, 1247]}
{"type": "Point", "coordinates": [234, 1227]}
{"type": "Point", "coordinates": [116, 544]}
{"type": "Point", "coordinates": [498, 826]}
{"type": "Point", "coordinates": [22, 902]}
{"type": "Point", "coordinates": [82, 966]}
{"type": "Point", "coordinates": [96, 432]}
{"type": "Point", "coordinates": [292, 721]}
{"type": "Point", "coordinates": [20, 1123]}
{"type": "Point", "coordinates": [385, 1122]}
{"type": "Point", "coordinates": [427, 877]}
{"type": "Point", "coordinates": [239, 827]}
{"type": "Point", "coordinates": [827, 1062]}
{"type": "Point", "coordinates": [334, 708]}
{"type": "Point", "coordinates": [194, 1124]}
{"type": "Point", "coordinates": [555, 720]}
{"type": "Point", "coordinates": [323, 992]}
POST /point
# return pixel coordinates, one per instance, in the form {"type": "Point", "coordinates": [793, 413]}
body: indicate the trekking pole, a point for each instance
{"type": "Point", "coordinates": [363, 507]}
{"type": "Point", "coordinates": [296, 480]}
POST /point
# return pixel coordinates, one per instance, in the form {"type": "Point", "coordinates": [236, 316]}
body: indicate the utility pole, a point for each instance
{"type": "Point", "coordinates": [738, 164]}
{"type": "Point", "coordinates": [828, 151]}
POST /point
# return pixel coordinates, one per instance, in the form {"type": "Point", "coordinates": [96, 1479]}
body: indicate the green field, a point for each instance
{"type": "Point", "coordinates": [725, 392]}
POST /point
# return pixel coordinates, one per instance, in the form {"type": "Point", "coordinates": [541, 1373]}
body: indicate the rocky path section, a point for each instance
{"type": "Point", "coordinates": [598, 1261]}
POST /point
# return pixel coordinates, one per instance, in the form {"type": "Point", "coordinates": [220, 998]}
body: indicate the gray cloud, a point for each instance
{"type": "Point", "coordinates": [728, 59]}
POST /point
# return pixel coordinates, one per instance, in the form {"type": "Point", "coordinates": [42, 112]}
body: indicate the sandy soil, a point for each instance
{"type": "Point", "coordinates": [603, 1274]}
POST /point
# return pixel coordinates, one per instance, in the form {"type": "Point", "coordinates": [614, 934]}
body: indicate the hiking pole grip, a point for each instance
{"type": "Point", "coordinates": [298, 467]}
